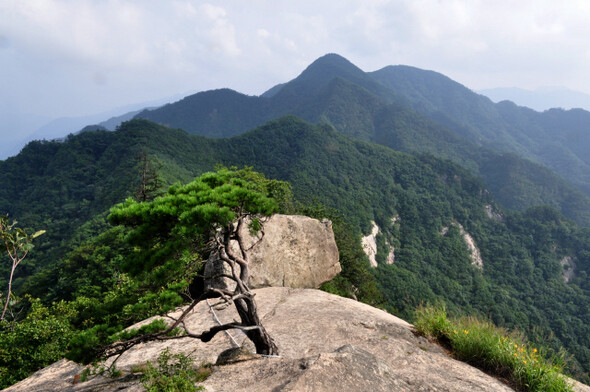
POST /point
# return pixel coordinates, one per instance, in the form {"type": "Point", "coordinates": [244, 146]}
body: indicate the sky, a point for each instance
{"type": "Point", "coordinates": [70, 58]}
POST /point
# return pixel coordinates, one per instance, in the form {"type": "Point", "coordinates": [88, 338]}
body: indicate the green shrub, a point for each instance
{"type": "Point", "coordinates": [35, 342]}
{"type": "Point", "coordinates": [174, 373]}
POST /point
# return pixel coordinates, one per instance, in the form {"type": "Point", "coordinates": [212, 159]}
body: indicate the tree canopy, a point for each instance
{"type": "Point", "coordinates": [171, 237]}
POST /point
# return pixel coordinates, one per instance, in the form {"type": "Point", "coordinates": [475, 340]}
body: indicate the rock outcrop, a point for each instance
{"type": "Point", "coordinates": [326, 343]}
{"type": "Point", "coordinates": [492, 214]}
{"type": "Point", "coordinates": [369, 244]}
{"type": "Point", "coordinates": [291, 251]}
{"type": "Point", "coordinates": [568, 267]}
{"type": "Point", "coordinates": [474, 253]}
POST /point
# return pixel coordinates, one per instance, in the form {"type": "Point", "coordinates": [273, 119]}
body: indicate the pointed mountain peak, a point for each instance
{"type": "Point", "coordinates": [334, 60]}
{"type": "Point", "coordinates": [321, 72]}
{"type": "Point", "coordinates": [318, 74]}
{"type": "Point", "coordinates": [330, 66]}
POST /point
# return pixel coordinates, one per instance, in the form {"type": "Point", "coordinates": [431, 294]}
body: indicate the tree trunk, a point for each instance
{"type": "Point", "coordinates": [246, 306]}
{"type": "Point", "coordinates": [9, 291]}
{"type": "Point", "coordinates": [248, 314]}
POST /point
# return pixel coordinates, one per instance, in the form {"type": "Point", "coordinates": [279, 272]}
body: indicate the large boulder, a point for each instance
{"type": "Point", "coordinates": [290, 251]}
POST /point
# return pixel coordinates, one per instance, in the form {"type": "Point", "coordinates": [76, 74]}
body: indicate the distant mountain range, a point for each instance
{"type": "Point", "coordinates": [540, 99]}
{"type": "Point", "coordinates": [44, 128]}
{"type": "Point", "coordinates": [417, 111]}
{"type": "Point", "coordinates": [519, 153]}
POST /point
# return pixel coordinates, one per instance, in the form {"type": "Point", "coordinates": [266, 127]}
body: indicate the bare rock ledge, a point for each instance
{"type": "Point", "coordinates": [327, 343]}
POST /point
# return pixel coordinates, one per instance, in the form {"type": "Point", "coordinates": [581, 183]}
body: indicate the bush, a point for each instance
{"type": "Point", "coordinates": [35, 342]}
{"type": "Point", "coordinates": [174, 373]}
{"type": "Point", "coordinates": [432, 321]}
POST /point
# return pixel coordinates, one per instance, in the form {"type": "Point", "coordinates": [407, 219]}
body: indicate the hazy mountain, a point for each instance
{"type": "Point", "coordinates": [30, 127]}
{"type": "Point", "coordinates": [444, 100]}
{"type": "Point", "coordinates": [63, 126]}
{"type": "Point", "coordinates": [215, 113]}
{"type": "Point", "coordinates": [272, 91]}
{"type": "Point", "coordinates": [503, 126]}
{"type": "Point", "coordinates": [416, 111]}
{"type": "Point", "coordinates": [541, 99]}
{"type": "Point", "coordinates": [112, 123]}
{"type": "Point", "coordinates": [54, 129]}
{"type": "Point", "coordinates": [15, 128]}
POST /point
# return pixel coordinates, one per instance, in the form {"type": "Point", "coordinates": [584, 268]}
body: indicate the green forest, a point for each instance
{"type": "Point", "coordinates": [77, 281]}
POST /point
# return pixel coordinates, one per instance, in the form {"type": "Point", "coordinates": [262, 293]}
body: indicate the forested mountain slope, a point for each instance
{"type": "Point", "coordinates": [412, 110]}
{"type": "Point", "coordinates": [420, 203]}
{"type": "Point", "coordinates": [556, 138]}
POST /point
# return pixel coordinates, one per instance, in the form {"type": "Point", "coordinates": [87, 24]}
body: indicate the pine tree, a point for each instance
{"type": "Point", "coordinates": [178, 230]}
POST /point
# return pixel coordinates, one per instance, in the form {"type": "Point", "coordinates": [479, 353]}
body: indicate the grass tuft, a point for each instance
{"type": "Point", "coordinates": [493, 349]}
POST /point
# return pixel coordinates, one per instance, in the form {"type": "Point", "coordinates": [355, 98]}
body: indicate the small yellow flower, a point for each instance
{"type": "Point", "coordinates": [516, 346]}
{"type": "Point", "coordinates": [466, 332]}
{"type": "Point", "coordinates": [524, 362]}
{"type": "Point", "coordinates": [535, 350]}
{"type": "Point", "coordinates": [515, 354]}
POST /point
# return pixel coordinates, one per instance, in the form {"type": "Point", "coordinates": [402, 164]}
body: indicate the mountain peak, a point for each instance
{"type": "Point", "coordinates": [318, 74]}
{"type": "Point", "coordinates": [335, 60]}
{"type": "Point", "coordinates": [330, 66]}
{"type": "Point", "coordinates": [322, 71]}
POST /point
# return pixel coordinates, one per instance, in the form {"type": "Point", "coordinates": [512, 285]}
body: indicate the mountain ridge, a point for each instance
{"type": "Point", "coordinates": [414, 111]}
{"type": "Point", "coordinates": [540, 99]}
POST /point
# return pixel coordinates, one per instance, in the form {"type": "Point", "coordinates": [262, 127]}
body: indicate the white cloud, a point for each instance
{"type": "Point", "coordinates": [263, 33]}
{"type": "Point", "coordinates": [67, 57]}
{"type": "Point", "coordinates": [220, 33]}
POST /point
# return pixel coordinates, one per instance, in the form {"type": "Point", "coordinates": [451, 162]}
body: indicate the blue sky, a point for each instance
{"type": "Point", "coordinates": [69, 58]}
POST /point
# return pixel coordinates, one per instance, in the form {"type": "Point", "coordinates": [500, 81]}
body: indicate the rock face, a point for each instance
{"type": "Point", "coordinates": [369, 244]}
{"type": "Point", "coordinates": [492, 214]}
{"type": "Point", "coordinates": [474, 253]}
{"type": "Point", "coordinates": [326, 343]}
{"type": "Point", "coordinates": [569, 268]}
{"type": "Point", "coordinates": [293, 251]}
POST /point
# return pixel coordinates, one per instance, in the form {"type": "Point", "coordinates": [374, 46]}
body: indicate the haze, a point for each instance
{"type": "Point", "coordinates": [63, 58]}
